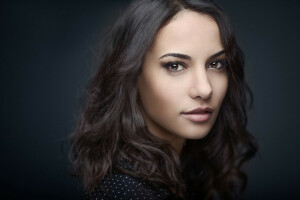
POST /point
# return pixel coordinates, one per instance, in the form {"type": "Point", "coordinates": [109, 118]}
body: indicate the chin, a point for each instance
{"type": "Point", "coordinates": [196, 136]}
{"type": "Point", "coordinates": [198, 132]}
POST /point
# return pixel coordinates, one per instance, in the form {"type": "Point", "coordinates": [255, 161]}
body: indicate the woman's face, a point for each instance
{"type": "Point", "coordinates": [184, 69]}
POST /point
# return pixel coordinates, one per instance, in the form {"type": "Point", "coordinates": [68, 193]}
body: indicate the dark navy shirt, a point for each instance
{"type": "Point", "coordinates": [119, 186]}
{"type": "Point", "coordinates": [125, 187]}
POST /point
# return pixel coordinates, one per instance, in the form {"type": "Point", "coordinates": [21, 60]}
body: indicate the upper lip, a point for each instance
{"type": "Point", "coordinates": [199, 110]}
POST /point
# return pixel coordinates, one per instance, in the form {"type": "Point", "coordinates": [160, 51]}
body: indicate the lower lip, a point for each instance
{"type": "Point", "coordinates": [197, 117]}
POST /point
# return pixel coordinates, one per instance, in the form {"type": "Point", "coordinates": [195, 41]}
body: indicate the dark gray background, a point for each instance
{"type": "Point", "coordinates": [45, 62]}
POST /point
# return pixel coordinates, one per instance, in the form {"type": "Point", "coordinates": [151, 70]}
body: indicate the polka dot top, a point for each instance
{"type": "Point", "coordinates": [118, 186]}
{"type": "Point", "coordinates": [124, 187]}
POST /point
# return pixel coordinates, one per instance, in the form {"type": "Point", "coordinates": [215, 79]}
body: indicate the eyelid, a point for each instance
{"type": "Point", "coordinates": [222, 60]}
{"type": "Point", "coordinates": [166, 65]}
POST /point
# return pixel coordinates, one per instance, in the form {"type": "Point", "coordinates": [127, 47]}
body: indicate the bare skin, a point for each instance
{"type": "Point", "coordinates": [170, 84]}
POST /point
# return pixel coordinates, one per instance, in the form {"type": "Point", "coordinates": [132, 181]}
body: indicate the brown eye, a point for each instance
{"type": "Point", "coordinates": [174, 66]}
{"type": "Point", "coordinates": [218, 64]}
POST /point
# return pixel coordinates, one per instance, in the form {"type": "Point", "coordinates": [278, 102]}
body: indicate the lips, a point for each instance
{"type": "Point", "coordinates": [200, 110]}
{"type": "Point", "coordinates": [200, 114]}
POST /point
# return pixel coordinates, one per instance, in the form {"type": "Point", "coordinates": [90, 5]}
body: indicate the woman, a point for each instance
{"type": "Point", "coordinates": [165, 116]}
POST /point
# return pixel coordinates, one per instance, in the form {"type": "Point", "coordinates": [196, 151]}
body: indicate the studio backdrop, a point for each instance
{"type": "Point", "coordinates": [46, 58]}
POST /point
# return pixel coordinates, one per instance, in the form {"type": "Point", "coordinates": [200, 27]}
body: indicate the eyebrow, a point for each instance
{"type": "Point", "coordinates": [177, 55]}
{"type": "Point", "coordinates": [184, 56]}
{"type": "Point", "coordinates": [216, 54]}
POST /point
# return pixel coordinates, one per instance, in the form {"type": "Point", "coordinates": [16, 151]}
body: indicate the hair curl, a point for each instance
{"type": "Point", "coordinates": [111, 128]}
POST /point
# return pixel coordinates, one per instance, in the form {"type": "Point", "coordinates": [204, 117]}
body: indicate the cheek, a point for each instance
{"type": "Point", "coordinates": [220, 85]}
{"type": "Point", "coordinates": [159, 94]}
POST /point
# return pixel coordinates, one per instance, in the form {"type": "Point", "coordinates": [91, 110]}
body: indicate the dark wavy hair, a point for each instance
{"type": "Point", "coordinates": [111, 127]}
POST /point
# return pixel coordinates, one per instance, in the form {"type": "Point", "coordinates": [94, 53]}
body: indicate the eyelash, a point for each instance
{"type": "Point", "coordinates": [172, 63]}
{"type": "Point", "coordinates": [222, 61]}
{"type": "Point", "coordinates": [168, 66]}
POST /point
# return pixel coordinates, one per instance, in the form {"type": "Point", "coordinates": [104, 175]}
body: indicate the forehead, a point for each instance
{"type": "Point", "coordinates": [188, 32]}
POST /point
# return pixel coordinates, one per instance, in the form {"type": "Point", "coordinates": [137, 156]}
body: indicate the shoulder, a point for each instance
{"type": "Point", "coordinates": [122, 186]}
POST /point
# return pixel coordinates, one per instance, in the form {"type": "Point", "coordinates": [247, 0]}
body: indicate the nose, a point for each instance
{"type": "Point", "coordinates": [200, 86]}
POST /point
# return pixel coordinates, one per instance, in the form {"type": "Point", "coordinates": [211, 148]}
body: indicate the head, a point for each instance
{"type": "Point", "coordinates": [209, 60]}
{"type": "Point", "coordinates": [163, 59]}
{"type": "Point", "coordinates": [184, 69]}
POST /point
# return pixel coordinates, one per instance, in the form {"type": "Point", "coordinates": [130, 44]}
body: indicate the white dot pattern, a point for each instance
{"type": "Point", "coordinates": [125, 187]}
{"type": "Point", "coordinates": [118, 186]}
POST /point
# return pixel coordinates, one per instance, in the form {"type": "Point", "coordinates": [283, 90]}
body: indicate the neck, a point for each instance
{"type": "Point", "coordinates": [178, 143]}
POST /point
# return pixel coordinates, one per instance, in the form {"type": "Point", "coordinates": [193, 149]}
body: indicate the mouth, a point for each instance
{"type": "Point", "coordinates": [199, 117]}
{"type": "Point", "coordinates": [200, 114]}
